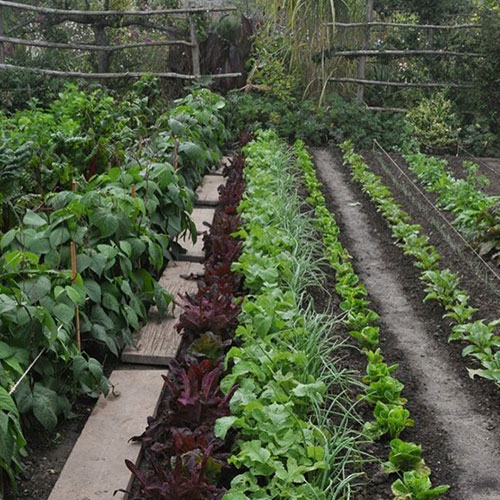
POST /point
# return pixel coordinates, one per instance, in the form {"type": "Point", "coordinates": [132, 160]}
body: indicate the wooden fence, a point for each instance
{"type": "Point", "coordinates": [364, 52]}
{"type": "Point", "coordinates": [103, 19]}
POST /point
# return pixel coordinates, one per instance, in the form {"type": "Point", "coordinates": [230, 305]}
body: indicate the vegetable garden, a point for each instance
{"type": "Point", "coordinates": [275, 292]}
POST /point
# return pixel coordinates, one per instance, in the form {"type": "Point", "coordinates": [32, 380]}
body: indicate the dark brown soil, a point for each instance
{"type": "Point", "coordinates": [48, 454]}
{"type": "Point", "coordinates": [487, 168]}
{"type": "Point", "coordinates": [432, 371]}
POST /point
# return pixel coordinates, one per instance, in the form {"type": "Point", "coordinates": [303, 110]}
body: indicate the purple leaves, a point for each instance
{"type": "Point", "coordinates": [184, 459]}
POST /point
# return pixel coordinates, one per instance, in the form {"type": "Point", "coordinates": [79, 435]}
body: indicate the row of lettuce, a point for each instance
{"type": "Point", "coordinates": [122, 225]}
{"type": "Point", "coordinates": [259, 404]}
{"type": "Point", "coordinates": [441, 284]}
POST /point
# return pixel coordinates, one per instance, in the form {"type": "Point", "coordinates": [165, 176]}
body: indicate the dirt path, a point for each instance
{"type": "Point", "coordinates": [460, 428]}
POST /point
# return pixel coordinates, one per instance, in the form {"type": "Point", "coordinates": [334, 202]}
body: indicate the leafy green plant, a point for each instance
{"type": "Point", "coordinates": [435, 125]}
{"type": "Point", "coordinates": [406, 457]}
{"type": "Point", "coordinates": [413, 486]}
{"type": "Point", "coordinates": [384, 391]}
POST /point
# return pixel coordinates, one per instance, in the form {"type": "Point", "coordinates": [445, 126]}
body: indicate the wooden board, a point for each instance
{"type": "Point", "coordinates": [207, 193]}
{"type": "Point", "coordinates": [195, 251]}
{"type": "Point", "coordinates": [95, 467]}
{"type": "Point", "coordinates": [158, 340]}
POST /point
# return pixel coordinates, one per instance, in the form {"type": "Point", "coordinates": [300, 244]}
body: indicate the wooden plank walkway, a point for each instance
{"type": "Point", "coordinates": [207, 193]}
{"type": "Point", "coordinates": [195, 251]}
{"type": "Point", "coordinates": [96, 468]}
{"type": "Point", "coordinates": [158, 340]}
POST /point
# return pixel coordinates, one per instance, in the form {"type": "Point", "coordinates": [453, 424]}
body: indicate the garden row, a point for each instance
{"type": "Point", "coordinates": [476, 214]}
{"type": "Point", "coordinates": [441, 284]}
{"type": "Point", "coordinates": [79, 272]}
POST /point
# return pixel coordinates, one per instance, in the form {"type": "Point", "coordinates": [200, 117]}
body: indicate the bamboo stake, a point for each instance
{"type": "Point", "coordinates": [74, 274]}
{"type": "Point", "coordinates": [133, 191]}
{"type": "Point", "coordinates": [77, 309]}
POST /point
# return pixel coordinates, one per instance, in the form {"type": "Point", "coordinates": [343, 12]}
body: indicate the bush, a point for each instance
{"type": "Point", "coordinates": [435, 125]}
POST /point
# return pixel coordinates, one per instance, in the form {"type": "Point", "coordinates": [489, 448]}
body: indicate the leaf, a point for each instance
{"type": "Point", "coordinates": [222, 426]}
{"type": "Point", "coordinates": [95, 368]}
{"type": "Point", "coordinates": [64, 313]}
{"type": "Point", "coordinates": [44, 407]}
{"type": "Point", "coordinates": [59, 236]}
{"type": "Point", "coordinates": [99, 332]}
{"type": "Point", "coordinates": [76, 294]}
{"type": "Point", "coordinates": [98, 264]}
{"type": "Point", "coordinates": [6, 402]}
{"type": "Point", "coordinates": [93, 290]}
{"type": "Point", "coordinates": [8, 238]}
{"type": "Point", "coordinates": [36, 289]}
{"type": "Point", "coordinates": [110, 302]}
{"type": "Point", "coordinates": [176, 126]}
{"type": "Point", "coordinates": [33, 219]}
{"type": "Point", "coordinates": [105, 221]}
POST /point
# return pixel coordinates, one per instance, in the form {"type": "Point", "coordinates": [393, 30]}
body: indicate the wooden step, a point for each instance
{"type": "Point", "coordinates": [207, 193]}
{"type": "Point", "coordinates": [195, 251]}
{"type": "Point", "coordinates": [95, 467]}
{"type": "Point", "coordinates": [158, 340]}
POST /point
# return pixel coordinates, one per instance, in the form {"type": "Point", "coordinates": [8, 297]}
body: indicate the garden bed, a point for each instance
{"type": "Point", "coordinates": [425, 396]}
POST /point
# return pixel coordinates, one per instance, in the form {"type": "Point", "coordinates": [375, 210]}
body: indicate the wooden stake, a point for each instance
{"type": "Point", "coordinates": [74, 274]}
{"type": "Point", "coordinates": [133, 191]}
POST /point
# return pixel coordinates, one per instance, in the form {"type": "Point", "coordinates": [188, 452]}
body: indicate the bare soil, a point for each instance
{"type": "Point", "coordinates": [456, 417]}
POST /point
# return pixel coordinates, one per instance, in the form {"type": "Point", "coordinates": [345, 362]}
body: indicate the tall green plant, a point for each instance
{"type": "Point", "coordinates": [307, 25]}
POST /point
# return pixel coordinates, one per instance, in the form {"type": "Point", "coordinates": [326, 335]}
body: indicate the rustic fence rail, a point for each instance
{"type": "Point", "coordinates": [91, 16]}
{"type": "Point", "coordinates": [364, 52]}
{"type": "Point", "coordinates": [120, 13]}
{"type": "Point", "coordinates": [380, 24]}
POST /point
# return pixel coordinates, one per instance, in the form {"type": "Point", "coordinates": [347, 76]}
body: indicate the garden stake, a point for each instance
{"type": "Point", "coordinates": [77, 310]}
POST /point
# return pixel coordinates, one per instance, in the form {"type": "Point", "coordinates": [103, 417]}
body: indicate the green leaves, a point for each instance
{"type": "Point", "coordinates": [416, 487]}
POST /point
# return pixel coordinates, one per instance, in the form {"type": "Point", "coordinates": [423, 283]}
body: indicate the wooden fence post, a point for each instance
{"type": "Point", "coordinates": [195, 50]}
{"type": "Point", "coordinates": [361, 74]}
{"type": "Point", "coordinates": [2, 46]}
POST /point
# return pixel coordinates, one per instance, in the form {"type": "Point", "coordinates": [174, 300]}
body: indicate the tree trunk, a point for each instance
{"type": "Point", "coordinates": [103, 57]}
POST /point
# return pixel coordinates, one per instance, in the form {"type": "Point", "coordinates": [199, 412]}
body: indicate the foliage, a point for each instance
{"type": "Point", "coordinates": [122, 224]}
{"type": "Point", "coordinates": [282, 449]}
{"type": "Point", "coordinates": [435, 125]}
{"type": "Point", "coordinates": [477, 215]}
{"type": "Point", "coordinates": [269, 67]}
{"type": "Point", "coordinates": [332, 122]}
{"type": "Point", "coordinates": [186, 460]}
